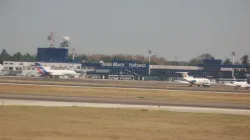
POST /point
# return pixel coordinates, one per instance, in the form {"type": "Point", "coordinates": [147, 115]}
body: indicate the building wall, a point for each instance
{"type": "Point", "coordinates": [209, 68]}
{"type": "Point", "coordinates": [164, 72]}
{"type": "Point", "coordinates": [129, 68]}
{"type": "Point", "coordinates": [117, 67]}
{"type": "Point", "coordinates": [158, 67]}
{"type": "Point", "coordinates": [19, 66]}
{"type": "Point", "coordinates": [170, 73]}
{"type": "Point", "coordinates": [52, 55]}
{"type": "Point", "coordinates": [29, 71]}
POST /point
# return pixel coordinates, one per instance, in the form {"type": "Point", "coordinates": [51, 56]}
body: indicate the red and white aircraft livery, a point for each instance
{"type": "Point", "coordinates": [47, 71]}
{"type": "Point", "coordinates": [194, 81]}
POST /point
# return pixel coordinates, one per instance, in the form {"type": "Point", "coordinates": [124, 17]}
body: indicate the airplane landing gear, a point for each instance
{"type": "Point", "coordinates": [206, 86]}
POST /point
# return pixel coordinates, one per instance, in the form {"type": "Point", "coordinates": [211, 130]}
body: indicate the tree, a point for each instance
{"type": "Point", "coordinates": [106, 58]}
{"type": "Point", "coordinates": [28, 57]}
{"type": "Point", "coordinates": [227, 62]}
{"type": "Point", "coordinates": [198, 60]}
{"type": "Point", "coordinates": [17, 56]}
{"type": "Point", "coordinates": [78, 57]}
{"type": "Point", "coordinates": [237, 62]}
{"type": "Point", "coordinates": [244, 60]}
{"type": "Point", "coordinates": [206, 56]}
{"type": "Point", "coordinates": [194, 62]}
{"type": "Point", "coordinates": [119, 57]}
{"type": "Point", "coordinates": [4, 56]}
{"type": "Point", "coordinates": [155, 60]}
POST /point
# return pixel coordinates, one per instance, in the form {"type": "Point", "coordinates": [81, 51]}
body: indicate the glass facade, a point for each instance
{"type": "Point", "coordinates": [117, 67]}
{"type": "Point", "coordinates": [209, 70]}
{"type": "Point", "coordinates": [165, 74]}
{"type": "Point", "coordinates": [211, 64]}
{"type": "Point", "coordinates": [52, 55]}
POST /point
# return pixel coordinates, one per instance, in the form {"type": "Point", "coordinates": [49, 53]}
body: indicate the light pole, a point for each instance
{"type": "Point", "coordinates": [149, 52]}
{"type": "Point", "coordinates": [73, 54]}
{"type": "Point", "coordinates": [233, 53]}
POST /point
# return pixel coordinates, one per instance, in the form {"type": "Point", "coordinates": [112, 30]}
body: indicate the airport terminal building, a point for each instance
{"type": "Point", "coordinates": [122, 69]}
{"type": "Point", "coordinates": [210, 69]}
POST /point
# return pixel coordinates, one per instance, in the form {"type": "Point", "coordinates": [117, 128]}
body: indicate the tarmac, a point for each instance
{"type": "Point", "coordinates": [155, 85]}
{"type": "Point", "coordinates": [127, 101]}
{"type": "Point", "coordinates": [11, 102]}
{"type": "Point", "coordinates": [185, 106]}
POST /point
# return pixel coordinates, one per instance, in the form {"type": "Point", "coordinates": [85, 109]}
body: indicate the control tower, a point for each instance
{"type": "Point", "coordinates": [53, 54]}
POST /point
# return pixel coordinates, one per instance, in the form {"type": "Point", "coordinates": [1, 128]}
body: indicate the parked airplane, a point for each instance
{"type": "Point", "coordinates": [236, 84]}
{"type": "Point", "coordinates": [194, 81]}
{"type": "Point", "coordinates": [47, 71]}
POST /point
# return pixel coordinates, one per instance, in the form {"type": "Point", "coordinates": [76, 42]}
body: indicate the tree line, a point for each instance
{"type": "Point", "coordinates": [154, 60]}
{"type": "Point", "coordinates": [244, 61]}
{"type": "Point", "coordinates": [5, 56]}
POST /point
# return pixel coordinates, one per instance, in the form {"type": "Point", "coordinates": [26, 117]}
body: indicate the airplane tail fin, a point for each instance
{"type": "Point", "coordinates": [38, 64]}
{"type": "Point", "coordinates": [40, 68]}
{"type": "Point", "coordinates": [184, 74]}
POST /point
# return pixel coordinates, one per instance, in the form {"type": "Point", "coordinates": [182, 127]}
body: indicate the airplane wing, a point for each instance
{"type": "Point", "coordinates": [184, 82]}
{"type": "Point", "coordinates": [229, 84]}
{"type": "Point", "coordinates": [248, 86]}
{"type": "Point", "coordinates": [213, 82]}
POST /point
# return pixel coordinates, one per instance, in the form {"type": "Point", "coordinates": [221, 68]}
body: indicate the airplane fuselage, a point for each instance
{"type": "Point", "coordinates": [241, 84]}
{"type": "Point", "coordinates": [238, 84]}
{"type": "Point", "coordinates": [194, 81]}
{"type": "Point", "coordinates": [61, 72]}
{"type": "Point", "coordinates": [47, 71]}
{"type": "Point", "coordinates": [198, 81]}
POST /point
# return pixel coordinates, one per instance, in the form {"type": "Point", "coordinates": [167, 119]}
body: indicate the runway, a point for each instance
{"type": "Point", "coordinates": [125, 101]}
{"type": "Point", "coordinates": [161, 85]}
{"type": "Point", "coordinates": [149, 85]}
{"type": "Point", "coordinates": [88, 102]}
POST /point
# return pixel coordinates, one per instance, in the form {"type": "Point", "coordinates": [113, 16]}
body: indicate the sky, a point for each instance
{"type": "Point", "coordinates": [173, 29]}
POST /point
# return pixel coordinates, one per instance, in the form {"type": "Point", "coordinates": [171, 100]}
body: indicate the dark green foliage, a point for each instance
{"type": "Point", "coordinates": [198, 60]}
{"type": "Point", "coordinates": [4, 56]}
{"type": "Point", "coordinates": [244, 60]}
{"type": "Point", "coordinates": [227, 62]}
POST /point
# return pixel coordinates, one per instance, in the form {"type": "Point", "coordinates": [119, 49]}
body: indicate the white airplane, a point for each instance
{"type": "Point", "coordinates": [47, 71]}
{"type": "Point", "coordinates": [194, 81]}
{"type": "Point", "coordinates": [239, 84]}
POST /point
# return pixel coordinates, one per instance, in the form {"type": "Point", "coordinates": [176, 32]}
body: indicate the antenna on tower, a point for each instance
{"type": "Point", "coordinates": [65, 42]}
{"type": "Point", "coordinates": [51, 39]}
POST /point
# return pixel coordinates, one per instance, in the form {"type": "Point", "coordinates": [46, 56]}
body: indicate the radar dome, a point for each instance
{"type": "Point", "coordinates": [66, 38]}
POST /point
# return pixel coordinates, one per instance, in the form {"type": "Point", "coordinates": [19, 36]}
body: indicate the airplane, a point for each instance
{"type": "Point", "coordinates": [236, 84]}
{"type": "Point", "coordinates": [194, 81]}
{"type": "Point", "coordinates": [47, 71]}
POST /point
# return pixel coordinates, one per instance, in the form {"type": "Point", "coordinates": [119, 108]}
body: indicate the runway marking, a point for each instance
{"type": "Point", "coordinates": [10, 102]}
{"type": "Point", "coordinates": [188, 91]}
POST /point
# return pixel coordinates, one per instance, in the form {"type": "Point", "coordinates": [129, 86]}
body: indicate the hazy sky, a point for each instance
{"type": "Point", "coordinates": [182, 28]}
